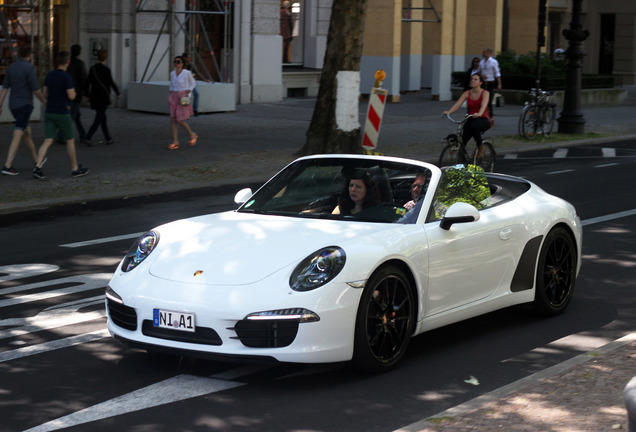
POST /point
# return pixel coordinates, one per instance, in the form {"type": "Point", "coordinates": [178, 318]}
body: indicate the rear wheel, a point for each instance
{"type": "Point", "coordinates": [487, 161]}
{"type": "Point", "coordinates": [384, 322]}
{"type": "Point", "coordinates": [556, 273]}
{"type": "Point", "coordinates": [528, 122]}
{"type": "Point", "coordinates": [449, 156]}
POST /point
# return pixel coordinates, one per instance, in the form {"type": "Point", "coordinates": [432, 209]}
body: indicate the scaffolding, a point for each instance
{"type": "Point", "coordinates": [197, 22]}
{"type": "Point", "coordinates": [429, 12]}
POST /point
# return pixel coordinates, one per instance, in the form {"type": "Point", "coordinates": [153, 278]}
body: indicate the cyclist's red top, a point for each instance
{"type": "Point", "coordinates": [475, 105]}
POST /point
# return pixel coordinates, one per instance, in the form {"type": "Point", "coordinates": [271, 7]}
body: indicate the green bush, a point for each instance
{"type": "Point", "coordinates": [511, 63]}
{"type": "Point", "coordinates": [519, 72]}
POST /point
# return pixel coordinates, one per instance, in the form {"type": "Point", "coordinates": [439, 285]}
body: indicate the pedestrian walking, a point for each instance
{"type": "Point", "coordinates": [181, 86]}
{"type": "Point", "coordinates": [98, 88]}
{"type": "Point", "coordinates": [286, 29]}
{"type": "Point", "coordinates": [21, 79]}
{"type": "Point", "coordinates": [77, 71]}
{"type": "Point", "coordinates": [489, 70]}
{"type": "Point", "coordinates": [187, 64]}
{"type": "Point", "coordinates": [59, 92]}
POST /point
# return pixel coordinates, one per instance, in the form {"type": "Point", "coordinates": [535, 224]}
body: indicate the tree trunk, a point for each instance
{"type": "Point", "coordinates": [335, 126]}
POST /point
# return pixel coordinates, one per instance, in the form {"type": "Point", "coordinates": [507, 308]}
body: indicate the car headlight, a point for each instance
{"type": "Point", "coordinates": [140, 250]}
{"type": "Point", "coordinates": [318, 269]}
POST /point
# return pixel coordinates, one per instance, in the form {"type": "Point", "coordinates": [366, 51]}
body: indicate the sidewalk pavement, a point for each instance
{"type": "Point", "coordinates": [250, 145]}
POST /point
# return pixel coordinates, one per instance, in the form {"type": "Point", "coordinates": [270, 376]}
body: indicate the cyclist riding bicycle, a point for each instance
{"type": "Point", "coordinates": [477, 103]}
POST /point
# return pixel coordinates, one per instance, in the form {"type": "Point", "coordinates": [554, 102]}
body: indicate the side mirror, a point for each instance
{"type": "Point", "coordinates": [459, 213]}
{"type": "Point", "coordinates": [242, 196]}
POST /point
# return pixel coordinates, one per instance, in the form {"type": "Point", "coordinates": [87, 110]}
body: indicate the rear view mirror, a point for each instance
{"type": "Point", "coordinates": [242, 196]}
{"type": "Point", "coordinates": [459, 213]}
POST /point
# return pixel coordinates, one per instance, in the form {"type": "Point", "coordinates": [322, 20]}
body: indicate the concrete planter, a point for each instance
{"type": "Point", "coordinates": [153, 97]}
{"type": "Point", "coordinates": [589, 97]}
{"type": "Point", "coordinates": [7, 117]}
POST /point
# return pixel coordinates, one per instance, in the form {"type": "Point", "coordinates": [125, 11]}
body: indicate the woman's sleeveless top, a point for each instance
{"type": "Point", "coordinates": [475, 105]}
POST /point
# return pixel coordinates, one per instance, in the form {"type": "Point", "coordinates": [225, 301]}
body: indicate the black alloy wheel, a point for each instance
{"type": "Point", "coordinates": [385, 321]}
{"type": "Point", "coordinates": [556, 273]}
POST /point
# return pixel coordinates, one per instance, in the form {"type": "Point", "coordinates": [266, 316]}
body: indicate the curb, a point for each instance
{"type": "Point", "coordinates": [507, 390]}
{"type": "Point", "coordinates": [21, 208]}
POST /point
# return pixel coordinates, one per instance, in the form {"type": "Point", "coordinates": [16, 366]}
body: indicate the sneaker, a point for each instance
{"type": "Point", "coordinates": [43, 162]}
{"type": "Point", "coordinates": [79, 172]}
{"type": "Point", "coordinates": [9, 171]}
{"type": "Point", "coordinates": [37, 173]}
{"type": "Point", "coordinates": [109, 142]}
{"type": "Point", "coordinates": [87, 142]}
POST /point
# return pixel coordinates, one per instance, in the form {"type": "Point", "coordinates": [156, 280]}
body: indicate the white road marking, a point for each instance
{"type": "Point", "coordinates": [560, 153]}
{"type": "Point", "coordinates": [102, 240]}
{"type": "Point", "coordinates": [605, 165]}
{"type": "Point", "coordinates": [55, 317]}
{"type": "Point", "coordinates": [20, 271]}
{"type": "Point", "coordinates": [608, 152]}
{"type": "Point", "coordinates": [178, 388]}
{"type": "Point", "coordinates": [84, 283]}
{"type": "Point", "coordinates": [559, 172]}
{"type": "Point", "coordinates": [511, 156]}
{"type": "Point", "coordinates": [608, 217]}
{"type": "Point", "coordinates": [53, 345]}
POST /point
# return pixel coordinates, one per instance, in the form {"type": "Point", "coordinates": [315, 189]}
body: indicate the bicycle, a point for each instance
{"type": "Point", "coordinates": [455, 151]}
{"type": "Point", "coordinates": [537, 115]}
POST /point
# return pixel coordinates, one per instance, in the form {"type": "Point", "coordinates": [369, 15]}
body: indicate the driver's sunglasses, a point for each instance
{"type": "Point", "coordinates": [418, 186]}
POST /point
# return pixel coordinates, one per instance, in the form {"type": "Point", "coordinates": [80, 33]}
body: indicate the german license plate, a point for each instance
{"type": "Point", "coordinates": [173, 320]}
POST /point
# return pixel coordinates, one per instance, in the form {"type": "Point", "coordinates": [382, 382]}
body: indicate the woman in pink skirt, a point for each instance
{"type": "Point", "coordinates": [181, 85]}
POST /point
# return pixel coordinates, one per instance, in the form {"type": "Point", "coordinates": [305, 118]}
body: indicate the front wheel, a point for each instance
{"type": "Point", "coordinates": [556, 273]}
{"type": "Point", "coordinates": [528, 122]}
{"type": "Point", "coordinates": [384, 322]}
{"type": "Point", "coordinates": [449, 155]}
{"type": "Point", "coordinates": [549, 114]}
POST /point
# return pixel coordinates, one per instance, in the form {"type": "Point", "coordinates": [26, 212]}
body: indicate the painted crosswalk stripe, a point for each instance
{"type": "Point", "coordinates": [178, 388]}
{"type": "Point", "coordinates": [102, 240]}
{"type": "Point", "coordinates": [21, 271]}
{"type": "Point", "coordinates": [82, 283]}
{"type": "Point", "coordinates": [53, 345]}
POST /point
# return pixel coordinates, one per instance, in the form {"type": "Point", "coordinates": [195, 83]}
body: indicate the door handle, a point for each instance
{"type": "Point", "coordinates": [505, 233]}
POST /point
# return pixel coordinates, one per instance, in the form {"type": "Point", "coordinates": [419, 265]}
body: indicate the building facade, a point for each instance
{"type": "Point", "coordinates": [418, 43]}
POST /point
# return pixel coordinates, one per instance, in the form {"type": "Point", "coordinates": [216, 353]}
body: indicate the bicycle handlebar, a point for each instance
{"type": "Point", "coordinates": [448, 116]}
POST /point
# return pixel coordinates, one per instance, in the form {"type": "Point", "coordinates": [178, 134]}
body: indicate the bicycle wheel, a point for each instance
{"type": "Point", "coordinates": [549, 114]}
{"type": "Point", "coordinates": [528, 122]}
{"type": "Point", "coordinates": [487, 161]}
{"type": "Point", "coordinates": [449, 155]}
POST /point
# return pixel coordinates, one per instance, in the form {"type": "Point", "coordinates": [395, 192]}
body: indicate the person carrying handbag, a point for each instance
{"type": "Point", "coordinates": [98, 87]}
{"type": "Point", "coordinates": [181, 85]}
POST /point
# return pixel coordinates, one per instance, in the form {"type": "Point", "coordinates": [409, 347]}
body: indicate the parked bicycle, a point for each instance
{"type": "Point", "coordinates": [537, 116]}
{"type": "Point", "coordinates": [455, 151]}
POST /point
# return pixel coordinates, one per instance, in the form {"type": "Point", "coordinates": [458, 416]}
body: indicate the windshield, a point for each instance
{"type": "Point", "coordinates": [371, 190]}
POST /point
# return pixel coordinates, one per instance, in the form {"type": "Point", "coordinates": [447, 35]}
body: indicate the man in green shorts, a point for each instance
{"type": "Point", "coordinates": [59, 92]}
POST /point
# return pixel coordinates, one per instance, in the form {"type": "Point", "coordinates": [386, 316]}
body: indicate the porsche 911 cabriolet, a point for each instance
{"type": "Point", "coordinates": [344, 258]}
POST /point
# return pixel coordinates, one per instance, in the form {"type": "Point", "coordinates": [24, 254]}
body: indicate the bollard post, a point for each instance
{"type": "Point", "coordinates": [629, 394]}
{"type": "Point", "coordinates": [377, 100]}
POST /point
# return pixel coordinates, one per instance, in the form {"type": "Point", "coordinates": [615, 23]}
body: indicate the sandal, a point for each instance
{"type": "Point", "coordinates": [173, 146]}
{"type": "Point", "coordinates": [194, 139]}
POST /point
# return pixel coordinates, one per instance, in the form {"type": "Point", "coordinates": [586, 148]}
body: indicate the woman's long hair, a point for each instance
{"type": "Point", "coordinates": [372, 197]}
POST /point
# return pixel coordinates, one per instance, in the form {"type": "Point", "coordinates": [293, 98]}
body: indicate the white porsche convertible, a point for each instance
{"type": "Point", "coordinates": [345, 258]}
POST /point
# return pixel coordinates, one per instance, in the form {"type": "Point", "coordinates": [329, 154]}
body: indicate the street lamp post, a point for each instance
{"type": "Point", "coordinates": [571, 120]}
